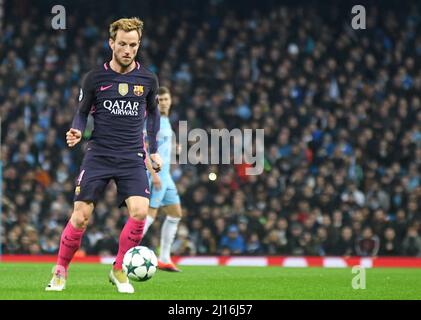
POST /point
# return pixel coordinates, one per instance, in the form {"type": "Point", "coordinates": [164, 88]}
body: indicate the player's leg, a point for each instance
{"type": "Point", "coordinates": [133, 191]}
{"type": "Point", "coordinates": [72, 234]}
{"type": "Point", "coordinates": [172, 209]}
{"type": "Point", "coordinates": [131, 235]}
{"type": "Point", "coordinates": [70, 241]}
{"type": "Point", "coordinates": [91, 182]}
{"type": "Point", "coordinates": [168, 233]}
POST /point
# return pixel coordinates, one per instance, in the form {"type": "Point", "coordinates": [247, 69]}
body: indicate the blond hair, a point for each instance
{"type": "Point", "coordinates": [126, 24]}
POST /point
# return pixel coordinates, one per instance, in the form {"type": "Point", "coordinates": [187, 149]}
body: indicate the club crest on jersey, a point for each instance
{"type": "Point", "coordinates": [77, 190]}
{"type": "Point", "coordinates": [123, 88]}
{"type": "Point", "coordinates": [138, 90]}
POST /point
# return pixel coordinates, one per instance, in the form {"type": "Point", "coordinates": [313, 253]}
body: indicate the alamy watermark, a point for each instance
{"type": "Point", "coordinates": [220, 146]}
{"type": "Point", "coordinates": [359, 20]}
{"type": "Point", "coordinates": [58, 22]}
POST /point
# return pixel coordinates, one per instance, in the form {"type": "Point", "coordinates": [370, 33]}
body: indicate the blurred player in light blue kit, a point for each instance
{"type": "Point", "coordinates": [164, 193]}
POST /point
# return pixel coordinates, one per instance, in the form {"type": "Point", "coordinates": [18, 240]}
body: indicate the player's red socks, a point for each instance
{"type": "Point", "coordinates": [130, 237]}
{"type": "Point", "coordinates": [71, 239]}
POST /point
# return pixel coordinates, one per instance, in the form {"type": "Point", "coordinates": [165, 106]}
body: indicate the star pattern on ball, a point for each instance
{"type": "Point", "coordinates": [135, 252]}
{"type": "Point", "coordinates": [147, 263]}
{"type": "Point", "coordinates": [131, 268]}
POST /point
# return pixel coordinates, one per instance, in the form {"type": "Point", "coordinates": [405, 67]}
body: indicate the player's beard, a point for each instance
{"type": "Point", "coordinates": [122, 63]}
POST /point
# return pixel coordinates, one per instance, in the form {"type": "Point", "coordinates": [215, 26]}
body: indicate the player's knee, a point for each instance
{"type": "Point", "coordinates": [174, 211]}
{"type": "Point", "coordinates": [177, 214]}
{"type": "Point", "coordinates": [80, 219]}
{"type": "Point", "coordinates": [138, 212]}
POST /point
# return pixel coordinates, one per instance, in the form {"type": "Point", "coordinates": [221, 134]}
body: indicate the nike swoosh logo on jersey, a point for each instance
{"type": "Point", "coordinates": [103, 88]}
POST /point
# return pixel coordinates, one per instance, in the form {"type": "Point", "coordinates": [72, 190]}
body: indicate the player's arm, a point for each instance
{"type": "Point", "coordinates": [86, 99]}
{"type": "Point", "coordinates": [152, 125]}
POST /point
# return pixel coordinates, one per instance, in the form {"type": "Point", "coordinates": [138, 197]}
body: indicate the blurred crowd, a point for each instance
{"type": "Point", "coordinates": [341, 111]}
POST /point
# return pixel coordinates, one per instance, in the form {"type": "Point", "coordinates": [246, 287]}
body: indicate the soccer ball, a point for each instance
{"type": "Point", "coordinates": [140, 263]}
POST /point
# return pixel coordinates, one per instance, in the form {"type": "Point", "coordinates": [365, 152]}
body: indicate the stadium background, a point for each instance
{"type": "Point", "coordinates": [340, 108]}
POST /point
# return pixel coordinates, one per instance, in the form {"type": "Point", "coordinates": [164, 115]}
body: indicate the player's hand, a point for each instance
{"type": "Point", "coordinates": [156, 162]}
{"type": "Point", "coordinates": [156, 181]}
{"type": "Point", "coordinates": [73, 136]}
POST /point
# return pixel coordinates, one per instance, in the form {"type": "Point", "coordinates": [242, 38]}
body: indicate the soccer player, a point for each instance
{"type": "Point", "coordinates": [120, 94]}
{"type": "Point", "coordinates": [164, 193]}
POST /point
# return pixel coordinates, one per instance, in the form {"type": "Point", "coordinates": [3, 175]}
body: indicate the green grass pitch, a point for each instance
{"type": "Point", "coordinates": [90, 281]}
